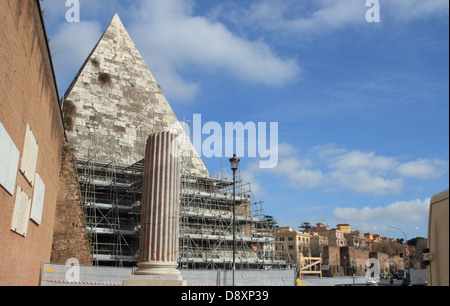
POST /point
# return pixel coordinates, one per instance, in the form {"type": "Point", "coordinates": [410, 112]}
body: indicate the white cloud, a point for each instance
{"type": "Point", "coordinates": [298, 173]}
{"type": "Point", "coordinates": [365, 182]}
{"type": "Point", "coordinates": [316, 16]}
{"type": "Point", "coordinates": [335, 14]}
{"type": "Point", "coordinates": [423, 169]}
{"type": "Point", "coordinates": [364, 173]}
{"type": "Point", "coordinates": [172, 39]}
{"type": "Point", "coordinates": [304, 17]}
{"type": "Point", "coordinates": [295, 171]}
{"type": "Point", "coordinates": [415, 210]}
{"type": "Point", "coordinates": [328, 150]}
{"type": "Point", "coordinates": [380, 175]}
{"type": "Point", "coordinates": [355, 161]}
{"type": "Point", "coordinates": [286, 149]}
{"type": "Point", "coordinates": [333, 169]}
{"type": "Point", "coordinates": [405, 10]}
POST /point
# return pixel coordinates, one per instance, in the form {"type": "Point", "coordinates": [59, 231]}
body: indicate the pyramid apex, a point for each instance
{"type": "Point", "coordinates": [116, 19]}
{"type": "Point", "coordinates": [116, 24]}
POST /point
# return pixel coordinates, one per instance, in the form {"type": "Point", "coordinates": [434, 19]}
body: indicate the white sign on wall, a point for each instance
{"type": "Point", "coordinates": [9, 161]}
{"type": "Point", "coordinates": [29, 158]}
{"type": "Point", "coordinates": [21, 213]}
{"type": "Point", "coordinates": [38, 200]}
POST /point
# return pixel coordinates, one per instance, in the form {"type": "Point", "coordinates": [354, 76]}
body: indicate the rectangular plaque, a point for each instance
{"type": "Point", "coordinates": [38, 200]}
{"type": "Point", "coordinates": [21, 213]}
{"type": "Point", "coordinates": [29, 158]}
{"type": "Point", "coordinates": [9, 161]}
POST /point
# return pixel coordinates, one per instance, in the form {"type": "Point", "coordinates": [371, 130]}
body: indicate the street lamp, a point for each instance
{"type": "Point", "coordinates": [234, 166]}
{"type": "Point", "coordinates": [406, 244]}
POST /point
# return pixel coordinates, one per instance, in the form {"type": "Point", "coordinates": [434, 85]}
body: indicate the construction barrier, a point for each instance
{"type": "Point", "coordinates": [75, 275]}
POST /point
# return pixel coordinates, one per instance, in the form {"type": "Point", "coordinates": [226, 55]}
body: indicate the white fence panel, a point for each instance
{"type": "Point", "coordinates": [75, 275]}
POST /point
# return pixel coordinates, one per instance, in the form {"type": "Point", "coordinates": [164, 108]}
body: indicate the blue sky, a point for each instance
{"type": "Point", "coordinates": [362, 108]}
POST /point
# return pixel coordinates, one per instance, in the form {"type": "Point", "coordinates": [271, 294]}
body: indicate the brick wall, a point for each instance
{"type": "Point", "coordinates": [70, 239]}
{"type": "Point", "coordinates": [28, 96]}
{"type": "Point", "coordinates": [331, 261]}
{"type": "Point", "coordinates": [353, 258]}
{"type": "Point", "coordinates": [338, 261]}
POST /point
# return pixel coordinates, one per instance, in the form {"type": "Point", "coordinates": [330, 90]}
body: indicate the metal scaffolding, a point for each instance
{"type": "Point", "coordinates": [206, 233]}
{"type": "Point", "coordinates": [112, 205]}
{"type": "Point", "coordinates": [111, 201]}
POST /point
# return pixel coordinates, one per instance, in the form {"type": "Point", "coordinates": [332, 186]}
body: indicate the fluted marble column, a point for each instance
{"type": "Point", "coordinates": [159, 237]}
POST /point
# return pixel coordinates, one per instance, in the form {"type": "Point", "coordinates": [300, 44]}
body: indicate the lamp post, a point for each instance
{"type": "Point", "coordinates": [234, 166]}
{"type": "Point", "coordinates": [406, 244]}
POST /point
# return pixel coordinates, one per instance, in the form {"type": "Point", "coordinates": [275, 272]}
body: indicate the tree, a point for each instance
{"type": "Point", "coordinates": [315, 248]}
{"type": "Point", "coordinates": [270, 221]}
{"type": "Point", "coordinates": [418, 245]}
{"type": "Point", "coordinates": [306, 227]}
{"type": "Point", "coordinates": [388, 247]}
{"type": "Point", "coordinates": [415, 241]}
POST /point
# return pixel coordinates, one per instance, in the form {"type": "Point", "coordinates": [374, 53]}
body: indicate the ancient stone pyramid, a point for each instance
{"type": "Point", "coordinates": [118, 104]}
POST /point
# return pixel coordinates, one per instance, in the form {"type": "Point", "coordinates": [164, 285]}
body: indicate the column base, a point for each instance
{"type": "Point", "coordinates": [157, 268]}
{"type": "Point", "coordinates": [156, 274]}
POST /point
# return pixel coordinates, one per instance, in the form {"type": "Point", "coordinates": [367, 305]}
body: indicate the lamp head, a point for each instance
{"type": "Point", "coordinates": [234, 163]}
